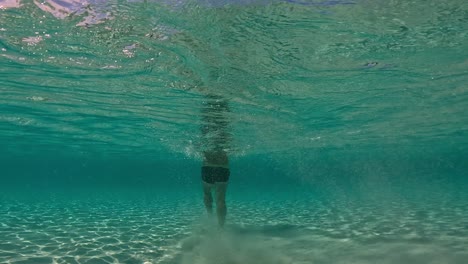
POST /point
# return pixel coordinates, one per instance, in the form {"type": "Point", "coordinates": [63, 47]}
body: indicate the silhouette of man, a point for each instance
{"type": "Point", "coordinates": [215, 169]}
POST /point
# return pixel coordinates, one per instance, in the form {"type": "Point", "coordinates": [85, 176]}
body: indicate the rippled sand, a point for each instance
{"type": "Point", "coordinates": [172, 229]}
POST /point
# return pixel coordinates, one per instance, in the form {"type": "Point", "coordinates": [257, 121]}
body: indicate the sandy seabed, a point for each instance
{"type": "Point", "coordinates": [174, 229]}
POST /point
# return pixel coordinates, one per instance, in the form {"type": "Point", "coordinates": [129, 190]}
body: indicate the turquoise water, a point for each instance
{"type": "Point", "coordinates": [346, 127]}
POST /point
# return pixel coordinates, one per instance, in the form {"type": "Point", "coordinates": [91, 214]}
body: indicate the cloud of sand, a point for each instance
{"type": "Point", "coordinates": [231, 248]}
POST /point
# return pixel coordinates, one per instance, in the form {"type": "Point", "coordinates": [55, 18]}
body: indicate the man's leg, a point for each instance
{"type": "Point", "coordinates": [207, 198]}
{"type": "Point", "coordinates": [221, 210]}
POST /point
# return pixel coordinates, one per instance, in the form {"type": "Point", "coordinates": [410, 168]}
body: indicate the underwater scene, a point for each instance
{"type": "Point", "coordinates": [234, 131]}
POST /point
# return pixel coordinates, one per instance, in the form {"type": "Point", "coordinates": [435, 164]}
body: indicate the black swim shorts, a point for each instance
{"type": "Point", "coordinates": [215, 174]}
